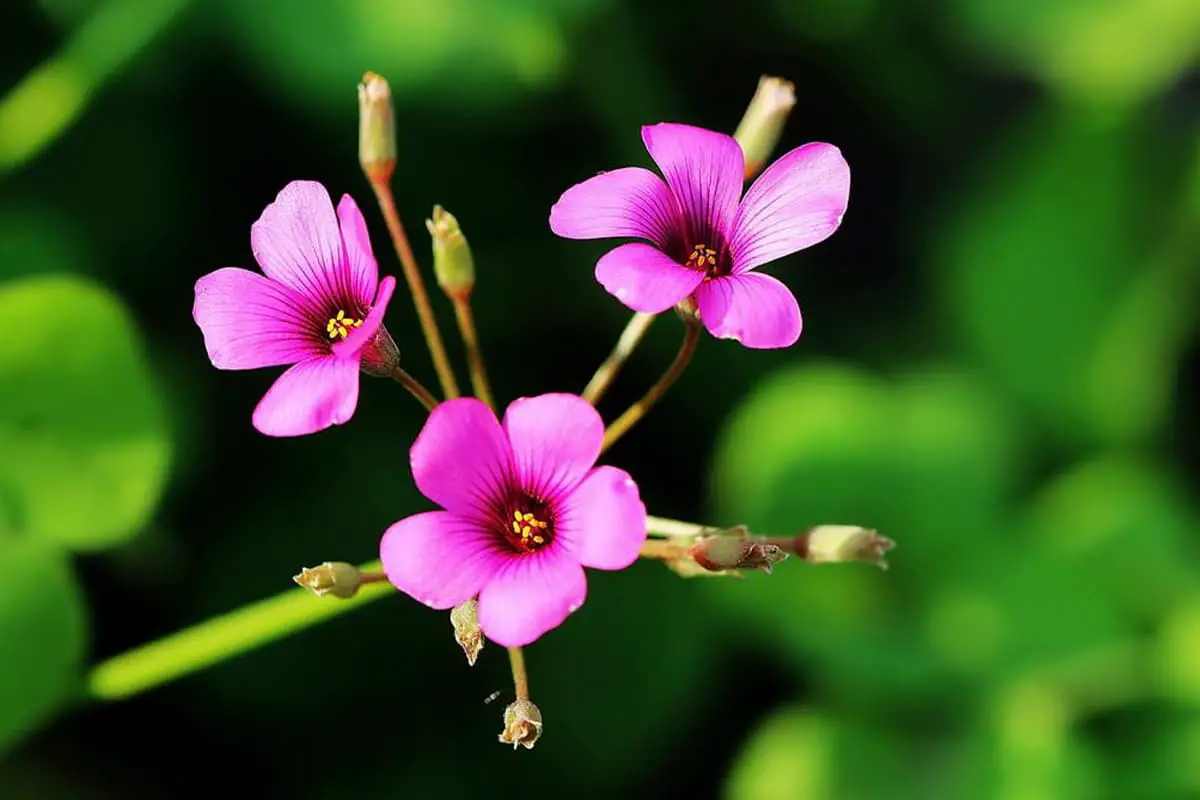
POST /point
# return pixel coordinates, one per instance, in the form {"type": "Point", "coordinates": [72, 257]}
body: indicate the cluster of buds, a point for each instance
{"type": "Point", "coordinates": [728, 552]}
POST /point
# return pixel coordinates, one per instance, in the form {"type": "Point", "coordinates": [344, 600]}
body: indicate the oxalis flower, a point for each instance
{"type": "Point", "coordinates": [318, 307]}
{"type": "Point", "coordinates": [525, 512]}
{"type": "Point", "coordinates": [702, 241]}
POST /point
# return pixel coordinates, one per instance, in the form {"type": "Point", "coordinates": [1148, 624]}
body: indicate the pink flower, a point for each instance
{"type": "Point", "coordinates": [525, 512]}
{"type": "Point", "coordinates": [702, 241]}
{"type": "Point", "coordinates": [319, 308]}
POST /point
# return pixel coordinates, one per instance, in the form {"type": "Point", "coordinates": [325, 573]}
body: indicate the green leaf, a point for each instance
{"type": "Point", "coordinates": [1036, 264]}
{"type": "Point", "coordinates": [83, 429]}
{"type": "Point", "coordinates": [43, 627]}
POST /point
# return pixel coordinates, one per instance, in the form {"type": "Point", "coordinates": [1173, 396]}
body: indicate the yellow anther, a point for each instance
{"type": "Point", "coordinates": [517, 516]}
{"type": "Point", "coordinates": [516, 527]}
{"type": "Point", "coordinates": [337, 326]}
{"type": "Point", "coordinates": [538, 540]}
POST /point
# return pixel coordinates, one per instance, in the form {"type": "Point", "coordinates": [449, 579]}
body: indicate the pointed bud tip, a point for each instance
{"type": "Point", "coordinates": [734, 550]}
{"type": "Point", "coordinates": [336, 578]}
{"type": "Point", "coordinates": [837, 544]}
{"type": "Point", "coordinates": [522, 725]}
{"type": "Point", "coordinates": [467, 633]}
{"type": "Point", "coordinates": [453, 264]}
{"type": "Point", "coordinates": [376, 127]}
{"type": "Point", "coordinates": [759, 131]}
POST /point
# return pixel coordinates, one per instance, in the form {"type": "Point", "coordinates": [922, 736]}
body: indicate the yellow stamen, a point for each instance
{"type": "Point", "coordinates": [337, 326]}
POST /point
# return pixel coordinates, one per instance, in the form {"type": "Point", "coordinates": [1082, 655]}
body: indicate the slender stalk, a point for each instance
{"type": "Point", "coordinates": [516, 659]}
{"type": "Point", "coordinates": [414, 387]}
{"type": "Point", "coordinates": [220, 639]}
{"type": "Point", "coordinates": [635, 329]}
{"type": "Point", "coordinates": [655, 548]}
{"type": "Point", "coordinates": [638, 410]}
{"type": "Point", "coordinates": [366, 578]}
{"type": "Point", "coordinates": [466, 326]}
{"type": "Point", "coordinates": [661, 526]}
{"type": "Point", "coordinates": [416, 285]}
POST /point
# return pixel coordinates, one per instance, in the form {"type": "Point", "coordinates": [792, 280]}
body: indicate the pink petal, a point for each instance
{"type": "Point", "coordinates": [361, 336]}
{"type": "Point", "coordinates": [757, 310]}
{"type": "Point", "coordinates": [625, 202]}
{"type": "Point", "coordinates": [705, 170]}
{"type": "Point", "coordinates": [249, 321]}
{"type": "Point", "coordinates": [461, 460]}
{"type": "Point", "coordinates": [555, 440]}
{"type": "Point", "coordinates": [644, 278]}
{"type": "Point", "coordinates": [798, 201]}
{"type": "Point", "coordinates": [297, 241]}
{"type": "Point", "coordinates": [364, 271]}
{"type": "Point", "coordinates": [529, 595]}
{"type": "Point", "coordinates": [438, 558]}
{"type": "Point", "coordinates": [603, 522]}
{"type": "Point", "coordinates": [309, 397]}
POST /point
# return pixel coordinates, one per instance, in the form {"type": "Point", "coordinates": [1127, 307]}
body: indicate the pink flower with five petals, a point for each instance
{"type": "Point", "coordinates": [524, 512]}
{"type": "Point", "coordinates": [318, 307]}
{"type": "Point", "coordinates": [702, 241]}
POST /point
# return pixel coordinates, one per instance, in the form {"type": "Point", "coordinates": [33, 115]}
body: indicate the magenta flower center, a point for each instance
{"type": "Point", "coordinates": [530, 527]}
{"type": "Point", "coordinates": [338, 325]}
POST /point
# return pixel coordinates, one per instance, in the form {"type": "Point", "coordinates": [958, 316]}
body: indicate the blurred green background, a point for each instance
{"type": "Point", "coordinates": [1000, 370]}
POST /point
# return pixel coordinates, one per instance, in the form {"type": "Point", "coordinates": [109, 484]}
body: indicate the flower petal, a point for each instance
{"type": "Point", "coordinates": [603, 522]}
{"type": "Point", "coordinates": [364, 271]}
{"type": "Point", "coordinates": [644, 278]}
{"type": "Point", "coordinates": [439, 558]}
{"type": "Point", "coordinates": [757, 310]}
{"type": "Point", "coordinates": [705, 170]}
{"type": "Point", "coordinates": [249, 321]}
{"type": "Point", "coordinates": [297, 242]}
{"type": "Point", "coordinates": [625, 202]}
{"type": "Point", "coordinates": [359, 337]}
{"type": "Point", "coordinates": [462, 460]}
{"type": "Point", "coordinates": [798, 201]}
{"type": "Point", "coordinates": [309, 397]}
{"type": "Point", "coordinates": [529, 595]}
{"type": "Point", "coordinates": [555, 440]}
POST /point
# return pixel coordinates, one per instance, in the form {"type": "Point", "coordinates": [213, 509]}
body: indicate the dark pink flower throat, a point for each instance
{"type": "Point", "coordinates": [528, 523]}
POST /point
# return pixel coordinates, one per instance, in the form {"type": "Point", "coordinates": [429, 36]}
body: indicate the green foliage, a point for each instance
{"type": "Point", "coordinates": [43, 627]}
{"type": "Point", "coordinates": [82, 426]}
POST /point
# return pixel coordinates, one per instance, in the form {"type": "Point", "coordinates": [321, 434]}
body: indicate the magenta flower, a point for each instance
{"type": "Point", "coordinates": [525, 512]}
{"type": "Point", "coordinates": [319, 308]}
{"type": "Point", "coordinates": [702, 240]}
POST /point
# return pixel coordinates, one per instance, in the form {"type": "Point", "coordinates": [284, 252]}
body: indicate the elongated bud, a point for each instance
{"type": "Point", "coordinates": [759, 130]}
{"type": "Point", "coordinates": [835, 544]}
{"type": "Point", "coordinates": [467, 632]}
{"type": "Point", "coordinates": [333, 577]}
{"type": "Point", "coordinates": [376, 128]}
{"type": "Point", "coordinates": [718, 553]}
{"type": "Point", "coordinates": [522, 724]}
{"type": "Point", "coordinates": [452, 261]}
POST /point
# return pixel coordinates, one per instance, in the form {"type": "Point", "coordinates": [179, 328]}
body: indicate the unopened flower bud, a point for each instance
{"type": "Point", "coordinates": [333, 577]}
{"type": "Point", "coordinates": [376, 128]}
{"type": "Point", "coordinates": [467, 632]}
{"type": "Point", "coordinates": [834, 544]}
{"type": "Point", "coordinates": [718, 553]}
{"type": "Point", "coordinates": [452, 261]}
{"type": "Point", "coordinates": [522, 724]}
{"type": "Point", "coordinates": [759, 130]}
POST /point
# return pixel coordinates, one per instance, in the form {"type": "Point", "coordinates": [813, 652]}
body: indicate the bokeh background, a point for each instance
{"type": "Point", "coordinates": [1000, 370]}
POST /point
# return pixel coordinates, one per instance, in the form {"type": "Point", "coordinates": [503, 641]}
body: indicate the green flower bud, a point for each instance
{"type": "Point", "coordinates": [836, 544]}
{"type": "Point", "coordinates": [333, 577]}
{"type": "Point", "coordinates": [452, 261]}
{"type": "Point", "coordinates": [759, 130]}
{"type": "Point", "coordinates": [376, 128]}
{"type": "Point", "coordinates": [467, 632]}
{"type": "Point", "coordinates": [522, 724]}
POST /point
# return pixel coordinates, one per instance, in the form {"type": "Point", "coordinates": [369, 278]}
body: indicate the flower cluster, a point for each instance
{"type": "Point", "coordinates": [523, 507]}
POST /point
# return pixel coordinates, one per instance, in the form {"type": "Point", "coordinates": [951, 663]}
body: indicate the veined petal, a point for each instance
{"type": "Point", "coordinates": [555, 440]}
{"type": "Point", "coordinates": [755, 309]}
{"type": "Point", "coordinates": [705, 170]}
{"type": "Point", "coordinates": [603, 521]}
{"type": "Point", "coordinates": [644, 278]}
{"type": "Point", "coordinates": [250, 321]}
{"type": "Point", "coordinates": [625, 202]}
{"type": "Point", "coordinates": [530, 595]}
{"type": "Point", "coordinates": [462, 460]}
{"type": "Point", "coordinates": [309, 397]}
{"type": "Point", "coordinates": [797, 201]}
{"type": "Point", "coordinates": [297, 242]}
{"type": "Point", "coordinates": [359, 337]}
{"type": "Point", "coordinates": [438, 558]}
{"type": "Point", "coordinates": [360, 260]}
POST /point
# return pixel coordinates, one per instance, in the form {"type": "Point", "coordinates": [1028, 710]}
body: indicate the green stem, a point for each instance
{"type": "Point", "coordinates": [220, 639]}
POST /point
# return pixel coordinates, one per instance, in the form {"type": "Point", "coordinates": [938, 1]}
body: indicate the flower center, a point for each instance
{"type": "Point", "coordinates": [337, 326]}
{"type": "Point", "coordinates": [529, 533]}
{"type": "Point", "coordinates": [702, 258]}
